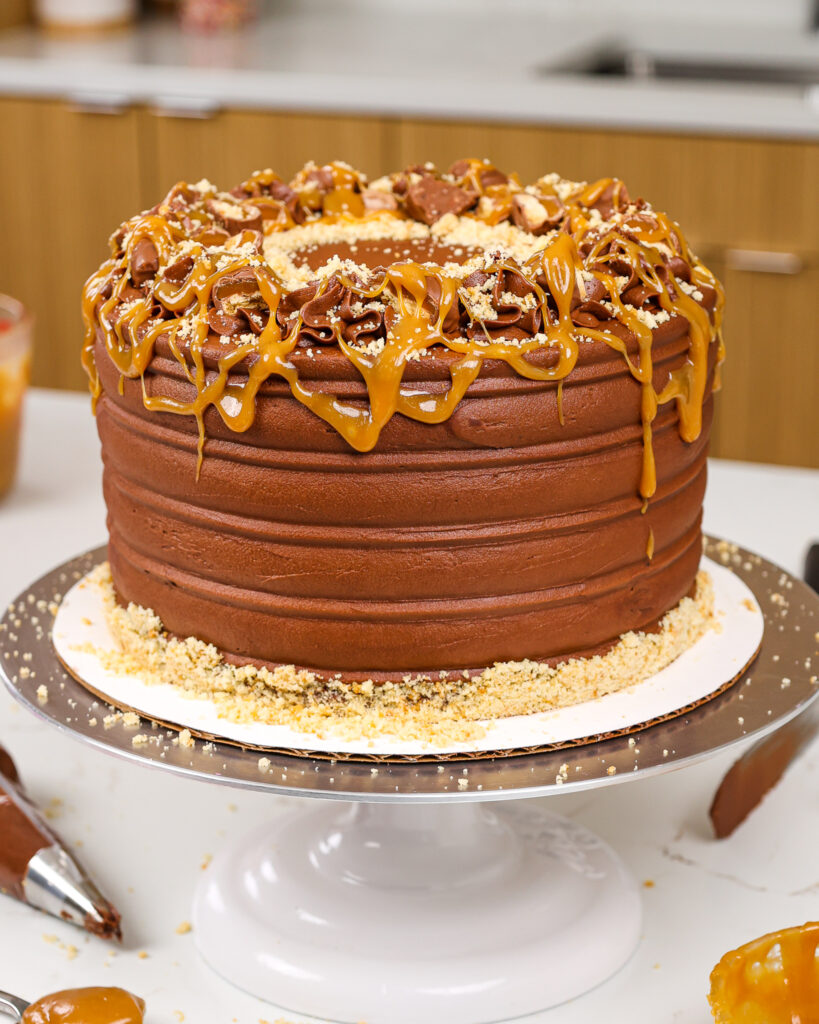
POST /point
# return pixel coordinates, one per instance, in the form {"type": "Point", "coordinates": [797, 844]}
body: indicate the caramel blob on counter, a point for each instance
{"type": "Point", "coordinates": [94, 1005]}
{"type": "Point", "coordinates": [772, 980]}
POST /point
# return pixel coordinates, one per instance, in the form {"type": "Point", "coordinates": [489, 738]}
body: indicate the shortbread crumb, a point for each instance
{"type": "Point", "coordinates": [439, 711]}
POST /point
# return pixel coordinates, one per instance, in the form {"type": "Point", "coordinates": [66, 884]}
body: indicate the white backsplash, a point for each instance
{"type": "Point", "coordinates": [783, 15]}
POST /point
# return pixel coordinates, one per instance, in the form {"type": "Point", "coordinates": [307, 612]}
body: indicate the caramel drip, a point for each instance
{"type": "Point", "coordinates": [131, 328]}
{"type": "Point", "coordinates": [774, 980]}
{"type": "Point", "coordinates": [650, 544]}
{"type": "Point", "coordinates": [687, 384]}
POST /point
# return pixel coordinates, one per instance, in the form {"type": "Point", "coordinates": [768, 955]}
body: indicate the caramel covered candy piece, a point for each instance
{"type": "Point", "coordinates": [234, 217]}
{"type": "Point", "coordinates": [266, 185]}
{"type": "Point", "coordinates": [378, 199]}
{"type": "Point", "coordinates": [177, 272]}
{"type": "Point", "coordinates": [535, 215]}
{"type": "Point", "coordinates": [312, 184]}
{"type": "Point", "coordinates": [430, 199]}
{"type": "Point", "coordinates": [481, 174]}
{"type": "Point", "coordinates": [87, 1006]}
{"type": "Point", "coordinates": [144, 261]}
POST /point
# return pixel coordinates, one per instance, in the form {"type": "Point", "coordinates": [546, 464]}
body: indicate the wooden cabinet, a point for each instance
{"type": "Point", "coordinates": [226, 146]}
{"type": "Point", "coordinates": [768, 409]}
{"type": "Point", "coordinates": [722, 190]}
{"type": "Point", "coordinates": [66, 182]}
{"type": "Point", "coordinates": [74, 175]}
{"type": "Point", "coordinates": [14, 12]}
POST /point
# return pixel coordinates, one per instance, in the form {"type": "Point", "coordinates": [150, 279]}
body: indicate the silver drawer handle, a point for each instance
{"type": "Point", "coordinates": [184, 106]}
{"type": "Point", "coordinates": [763, 261]}
{"type": "Point", "coordinates": [86, 101]}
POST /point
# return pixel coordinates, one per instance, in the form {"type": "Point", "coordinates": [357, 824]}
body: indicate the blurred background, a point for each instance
{"type": "Point", "coordinates": [709, 109]}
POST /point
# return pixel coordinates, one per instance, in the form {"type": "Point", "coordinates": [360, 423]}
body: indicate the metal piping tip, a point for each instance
{"type": "Point", "coordinates": [56, 884]}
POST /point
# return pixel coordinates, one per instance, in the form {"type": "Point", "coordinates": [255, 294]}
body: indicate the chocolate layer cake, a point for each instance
{"type": "Point", "coordinates": [418, 425]}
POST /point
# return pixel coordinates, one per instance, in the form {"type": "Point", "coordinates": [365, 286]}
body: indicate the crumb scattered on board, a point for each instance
{"type": "Point", "coordinates": [434, 709]}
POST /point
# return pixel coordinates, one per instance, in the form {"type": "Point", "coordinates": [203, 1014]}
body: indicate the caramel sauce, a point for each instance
{"type": "Point", "coordinates": [344, 200]}
{"type": "Point", "coordinates": [131, 336]}
{"type": "Point", "coordinates": [86, 1006]}
{"type": "Point", "coordinates": [773, 980]}
{"type": "Point", "coordinates": [13, 380]}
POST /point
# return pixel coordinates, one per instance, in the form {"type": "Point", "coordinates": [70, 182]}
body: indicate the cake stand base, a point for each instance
{"type": "Point", "coordinates": [396, 914]}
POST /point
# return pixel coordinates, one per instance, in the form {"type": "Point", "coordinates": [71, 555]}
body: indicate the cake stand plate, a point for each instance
{"type": "Point", "coordinates": [415, 900]}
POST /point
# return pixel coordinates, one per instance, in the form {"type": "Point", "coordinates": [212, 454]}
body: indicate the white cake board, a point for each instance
{"type": "Point", "coordinates": [80, 629]}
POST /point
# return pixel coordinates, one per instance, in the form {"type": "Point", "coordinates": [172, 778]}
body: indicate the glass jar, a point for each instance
{"type": "Point", "coordinates": [15, 360]}
{"type": "Point", "coordinates": [217, 15]}
{"type": "Point", "coordinates": [84, 14]}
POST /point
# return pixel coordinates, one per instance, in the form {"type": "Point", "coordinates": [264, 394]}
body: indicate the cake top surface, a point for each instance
{"type": "Point", "coordinates": [468, 264]}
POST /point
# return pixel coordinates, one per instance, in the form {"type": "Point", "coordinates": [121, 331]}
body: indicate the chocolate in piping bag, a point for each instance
{"type": "Point", "coordinates": [36, 868]}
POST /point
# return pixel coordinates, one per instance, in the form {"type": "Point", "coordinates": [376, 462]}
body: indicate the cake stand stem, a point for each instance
{"type": "Point", "coordinates": [395, 914]}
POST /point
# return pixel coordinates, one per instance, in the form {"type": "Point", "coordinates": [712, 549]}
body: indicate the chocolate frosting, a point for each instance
{"type": "Point", "coordinates": [401, 466]}
{"type": "Point", "coordinates": [21, 839]}
{"type": "Point", "coordinates": [497, 534]}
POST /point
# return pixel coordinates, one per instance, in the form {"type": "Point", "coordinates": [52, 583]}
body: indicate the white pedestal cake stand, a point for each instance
{"type": "Point", "coordinates": [398, 914]}
{"type": "Point", "coordinates": [410, 898]}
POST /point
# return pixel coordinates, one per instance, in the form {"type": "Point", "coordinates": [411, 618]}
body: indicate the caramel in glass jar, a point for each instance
{"type": "Point", "coordinates": [15, 342]}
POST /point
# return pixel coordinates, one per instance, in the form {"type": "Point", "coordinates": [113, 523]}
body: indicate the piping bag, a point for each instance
{"type": "Point", "coordinates": [35, 866]}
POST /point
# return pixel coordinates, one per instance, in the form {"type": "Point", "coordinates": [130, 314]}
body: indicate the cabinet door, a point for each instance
{"type": "Point", "coordinates": [14, 12]}
{"type": "Point", "coordinates": [768, 409]}
{"type": "Point", "coordinates": [70, 179]}
{"type": "Point", "coordinates": [228, 146]}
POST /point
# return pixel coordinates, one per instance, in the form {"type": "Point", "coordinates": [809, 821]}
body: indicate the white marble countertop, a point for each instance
{"type": "Point", "coordinates": [425, 60]}
{"type": "Point", "coordinates": [146, 836]}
